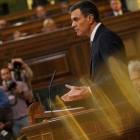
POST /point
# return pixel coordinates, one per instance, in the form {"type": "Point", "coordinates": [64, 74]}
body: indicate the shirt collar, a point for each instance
{"type": "Point", "coordinates": [118, 13]}
{"type": "Point", "coordinates": [94, 31]}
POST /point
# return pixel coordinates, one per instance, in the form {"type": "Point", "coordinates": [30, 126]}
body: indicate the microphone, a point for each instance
{"type": "Point", "coordinates": [52, 79]}
{"type": "Point", "coordinates": [49, 88]}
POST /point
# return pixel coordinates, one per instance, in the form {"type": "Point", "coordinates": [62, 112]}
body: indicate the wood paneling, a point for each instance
{"type": "Point", "coordinates": [35, 26]}
{"type": "Point", "coordinates": [64, 51]}
{"type": "Point", "coordinates": [26, 15]}
{"type": "Point", "coordinates": [89, 125]}
{"type": "Point", "coordinates": [47, 52]}
{"type": "Point", "coordinates": [53, 9]}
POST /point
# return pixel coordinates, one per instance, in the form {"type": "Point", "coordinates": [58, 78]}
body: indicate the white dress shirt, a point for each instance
{"type": "Point", "coordinates": [94, 31]}
{"type": "Point", "coordinates": [117, 13]}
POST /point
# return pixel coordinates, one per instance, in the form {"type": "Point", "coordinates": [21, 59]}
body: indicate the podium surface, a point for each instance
{"type": "Point", "coordinates": [89, 124]}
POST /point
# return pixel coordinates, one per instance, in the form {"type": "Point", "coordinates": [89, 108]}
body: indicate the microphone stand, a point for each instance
{"type": "Point", "coordinates": [49, 89]}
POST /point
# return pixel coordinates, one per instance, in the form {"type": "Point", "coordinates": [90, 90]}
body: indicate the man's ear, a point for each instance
{"type": "Point", "coordinates": [91, 18]}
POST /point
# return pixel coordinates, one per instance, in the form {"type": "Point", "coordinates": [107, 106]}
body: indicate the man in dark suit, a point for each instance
{"type": "Point", "coordinates": [117, 9]}
{"type": "Point", "coordinates": [39, 2]}
{"type": "Point", "coordinates": [106, 45]}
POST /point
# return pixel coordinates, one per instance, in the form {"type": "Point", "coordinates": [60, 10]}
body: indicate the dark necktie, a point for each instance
{"type": "Point", "coordinates": [91, 43]}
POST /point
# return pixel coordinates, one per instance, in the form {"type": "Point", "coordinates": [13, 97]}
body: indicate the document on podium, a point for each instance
{"type": "Point", "coordinates": [65, 110]}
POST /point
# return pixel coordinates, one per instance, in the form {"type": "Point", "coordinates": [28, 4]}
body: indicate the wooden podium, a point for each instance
{"type": "Point", "coordinates": [84, 125]}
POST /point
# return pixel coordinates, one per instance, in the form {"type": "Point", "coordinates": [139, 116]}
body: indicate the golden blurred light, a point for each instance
{"type": "Point", "coordinates": [69, 123]}
{"type": "Point", "coordinates": [138, 1]}
{"type": "Point", "coordinates": [29, 3]}
{"type": "Point", "coordinates": [106, 110]}
{"type": "Point", "coordinates": [52, 2]}
{"type": "Point", "coordinates": [120, 73]}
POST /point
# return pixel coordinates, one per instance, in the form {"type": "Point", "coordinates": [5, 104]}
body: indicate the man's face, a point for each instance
{"type": "Point", "coordinates": [115, 5]}
{"type": "Point", "coordinates": [5, 74]}
{"type": "Point", "coordinates": [65, 8]}
{"type": "Point", "coordinates": [49, 27]}
{"type": "Point", "coordinates": [2, 24]}
{"type": "Point", "coordinates": [17, 36]}
{"type": "Point", "coordinates": [40, 11]}
{"type": "Point", "coordinates": [10, 66]}
{"type": "Point", "coordinates": [135, 77]}
{"type": "Point", "coordinates": [80, 23]}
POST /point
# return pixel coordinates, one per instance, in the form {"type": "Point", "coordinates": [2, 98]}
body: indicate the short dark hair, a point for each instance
{"type": "Point", "coordinates": [10, 59]}
{"type": "Point", "coordinates": [40, 6]}
{"type": "Point", "coordinates": [4, 68]}
{"type": "Point", "coordinates": [87, 7]}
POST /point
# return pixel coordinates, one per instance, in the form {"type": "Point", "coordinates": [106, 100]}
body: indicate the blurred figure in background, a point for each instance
{"type": "Point", "coordinates": [17, 35]}
{"type": "Point", "coordinates": [39, 2]}
{"type": "Point", "coordinates": [65, 7]}
{"type": "Point", "coordinates": [17, 93]}
{"type": "Point", "coordinates": [117, 9]}
{"type": "Point", "coordinates": [5, 115]}
{"type": "Point", "coordinates": [6, 124]}
{"type": "Point", "coordinates": [41, 12]}
{"type": "Point", "coordinates": [20, 71]}
{"type": "Point", "coordinates": [3, 24]}
{"type": "Point", "coordinates": [3, 99]}
{"type": "Point", "coordinates": [134, 71]}
{"type": "Point", "coordinates": [49, 25]}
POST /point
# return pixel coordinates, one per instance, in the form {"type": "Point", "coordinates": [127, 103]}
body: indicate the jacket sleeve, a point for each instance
{"type": "Point", "coordinates": [3, 99]}
{"type": "Point", "coordinates": [8, 118]}
{"type": "Point", "coordinates": [28, 72]}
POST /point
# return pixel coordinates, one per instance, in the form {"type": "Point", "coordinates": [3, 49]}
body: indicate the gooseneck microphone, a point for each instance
{"type": "Point", "coordinates": [49, 89]}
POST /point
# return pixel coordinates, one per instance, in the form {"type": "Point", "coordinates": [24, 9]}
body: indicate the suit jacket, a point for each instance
{"type": "Point", "coordinates": [112, 14]}
{"type": "Point", "coordinates": [106, 44]}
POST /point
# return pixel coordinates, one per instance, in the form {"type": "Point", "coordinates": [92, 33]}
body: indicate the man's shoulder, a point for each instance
{"type": "Point", "coordinates": [108, 36]}
{"type": "Point", "coordinates": [107, 33]}
{"type": "Point", "coordinates": [109, 14]}
{"type": "Point", "coordinates": [1, 89]}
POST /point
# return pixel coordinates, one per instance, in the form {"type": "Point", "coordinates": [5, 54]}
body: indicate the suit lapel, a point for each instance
{"type": "Point", "coordinates": [93, 46]}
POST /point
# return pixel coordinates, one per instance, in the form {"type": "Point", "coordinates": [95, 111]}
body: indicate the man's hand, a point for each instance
{"type": "Point", "coordinates": [17, 90]}
{"type": "Point", "coordinates": [18, 60]}
{"type": "Point", "coordinates": [1, 126]}
{"type": "Point", "coordinates": [5, 88]}
{"type": "Point", "coordinates": [76, 93]}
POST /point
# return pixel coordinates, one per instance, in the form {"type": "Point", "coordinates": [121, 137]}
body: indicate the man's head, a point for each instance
{"type": "Point", "coordinates": [2, 23]}
{"type": "Point", "coordinates": [17, 35]}
{"type": "Point", "coordinates": [134, 71]}
{"type": "Point", "coordinates": [115, 5]}
{"type": "Point", "coordinates": [84, 15]}
{"type": "Point", "coordinates": [10, 62]}
{"type": "Point", "coordinates": [40, 11]}
{"type": "Point", "coordinates": [65, 7]}
{"type": "Point", "coordinates": [5, 74]}
{"type": "Point", "coordinates": [49, 25]}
